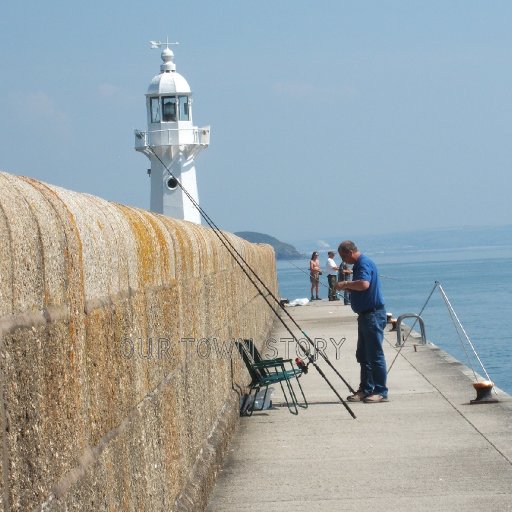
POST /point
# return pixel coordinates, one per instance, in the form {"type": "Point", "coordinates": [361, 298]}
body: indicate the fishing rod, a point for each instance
{"type": "Point", "coordinates": [238, 259]}
{"type": "Point", "coordinates": [281, 306]}
{"type": "Point", "coordinates": [392, 278]}
{"type": "Point", "coordinates": [409, 333]}
{"type": "Point", "coordinates": [307, 273]}
{"type": "Point", "coordinates": [327, 286]}
{"type": "Point", "coordinates": [278, 302]}
{"type": "Point", "coordinates": [338, 294]}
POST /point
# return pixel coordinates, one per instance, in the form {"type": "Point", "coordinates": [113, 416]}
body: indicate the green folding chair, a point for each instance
{"type": "Point", "coordinates": [265, 372]}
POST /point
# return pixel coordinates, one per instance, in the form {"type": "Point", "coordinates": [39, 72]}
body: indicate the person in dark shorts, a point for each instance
{"type": "Point", "coordinates": [314, 275]}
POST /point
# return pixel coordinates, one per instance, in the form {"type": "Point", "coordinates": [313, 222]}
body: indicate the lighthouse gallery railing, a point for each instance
{"type": "Point", "coordinates": [171, 136]}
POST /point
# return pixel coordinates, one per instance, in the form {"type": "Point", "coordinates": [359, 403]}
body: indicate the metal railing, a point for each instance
{"type": "Point", "coordinates": [171, 136]}
{"type": "Point", "coordinates": [399, 328]}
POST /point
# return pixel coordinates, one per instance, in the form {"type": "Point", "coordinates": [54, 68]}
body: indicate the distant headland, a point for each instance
{"type": "Point", "coordinates": [283, 251]}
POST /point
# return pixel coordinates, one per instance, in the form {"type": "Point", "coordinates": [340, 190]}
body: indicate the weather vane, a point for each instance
{"type": "Point", "coordinates": [159, 44]}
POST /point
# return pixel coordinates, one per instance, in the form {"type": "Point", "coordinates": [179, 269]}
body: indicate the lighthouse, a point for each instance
{"type": "Point", "coordinates": [172, 142]}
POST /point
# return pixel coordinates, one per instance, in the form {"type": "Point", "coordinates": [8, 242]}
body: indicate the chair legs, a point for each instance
{"type": "Point", "coordinates": [289, 393]}
{"type": "Point", "coordinates": [305, 404]}
{"type": "Point", "coordinates": [293, 396]}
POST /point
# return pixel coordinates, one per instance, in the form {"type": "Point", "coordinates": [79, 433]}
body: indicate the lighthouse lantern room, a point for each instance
{"type": "Point", "coordinates": [171, 142]}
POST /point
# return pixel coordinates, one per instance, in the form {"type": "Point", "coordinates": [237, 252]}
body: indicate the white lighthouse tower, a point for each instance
{"type": "Point", "coordinates": [171, 142]}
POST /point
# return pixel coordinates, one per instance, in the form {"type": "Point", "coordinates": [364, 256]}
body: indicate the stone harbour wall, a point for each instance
{"type": "Point", "coordinates": [119, 386]}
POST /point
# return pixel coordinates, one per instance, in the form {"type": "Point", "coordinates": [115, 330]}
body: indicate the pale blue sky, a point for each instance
{"type": "Point", "coordinates": [328, 117]}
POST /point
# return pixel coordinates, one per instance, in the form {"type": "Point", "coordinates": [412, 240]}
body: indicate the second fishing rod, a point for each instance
{"type": "Point", "coordinates": [241, 263]}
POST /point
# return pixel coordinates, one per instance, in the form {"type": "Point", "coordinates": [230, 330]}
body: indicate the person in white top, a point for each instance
{"type": "Point", "coordinates": [331, 269]}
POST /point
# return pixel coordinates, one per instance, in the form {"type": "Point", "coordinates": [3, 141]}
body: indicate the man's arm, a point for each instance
{"type": "Point", "coordinates": [356, 286]}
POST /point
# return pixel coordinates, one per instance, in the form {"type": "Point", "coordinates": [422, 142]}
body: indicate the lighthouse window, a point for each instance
{"type": "Point", "coordinates": [155, 110]}
{"type": "Point", "coordinates": [184, 108]}
{"type": "Point", "coordinates": [169, 108]}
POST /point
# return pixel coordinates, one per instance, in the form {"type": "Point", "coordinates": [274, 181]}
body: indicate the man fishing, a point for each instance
{"type": "Point", "coordinates": [368, 303]}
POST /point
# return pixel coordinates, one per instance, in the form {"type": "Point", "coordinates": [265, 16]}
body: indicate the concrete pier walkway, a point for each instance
{"type": "Point", "coordinates": [427, 449]}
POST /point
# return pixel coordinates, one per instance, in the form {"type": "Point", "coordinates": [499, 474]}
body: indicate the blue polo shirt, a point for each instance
{"type": "Point", "coordinates": [365, 269]}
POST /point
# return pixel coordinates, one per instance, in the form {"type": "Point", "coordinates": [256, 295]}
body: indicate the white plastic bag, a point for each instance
{"type": "Point", "coordinates": [299, 302]}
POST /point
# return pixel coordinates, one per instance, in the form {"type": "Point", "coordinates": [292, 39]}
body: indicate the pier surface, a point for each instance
{"type": "Point", "coordinates": [426, 449]}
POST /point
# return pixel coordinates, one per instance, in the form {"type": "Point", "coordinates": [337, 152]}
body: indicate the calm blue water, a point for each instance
{"type": "Point", "coordinates": [480, 292]}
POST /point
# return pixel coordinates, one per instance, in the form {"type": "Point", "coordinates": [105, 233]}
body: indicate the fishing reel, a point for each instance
{"type": "Point", "coordinates": [301, 365]}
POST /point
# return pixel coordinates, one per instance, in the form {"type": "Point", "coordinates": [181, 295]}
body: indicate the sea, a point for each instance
{"type": "Point", "coordinates": [476, 307]}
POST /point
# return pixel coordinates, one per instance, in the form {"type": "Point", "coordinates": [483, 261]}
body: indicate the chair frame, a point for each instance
{"type": "Point", "coordinates": [265, 372]}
